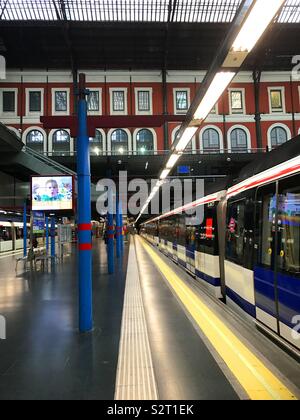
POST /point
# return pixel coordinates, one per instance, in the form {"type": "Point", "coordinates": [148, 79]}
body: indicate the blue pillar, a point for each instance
{"type": "Point", "coordinates": [110, 234]}
{"type": "Point", "coordinates": [118, 229]}
{"type": "Point", "coordinates": [24, 230]}
{"type": "Point", "coordinates": [47, 235]}
{"type": "Point", "coordinates": [52, 232]}
{"type": "Point", "coordinates": [84, 214]}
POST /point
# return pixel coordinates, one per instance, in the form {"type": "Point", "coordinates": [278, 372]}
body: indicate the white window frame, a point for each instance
{"type": "Point", "coordinates": [51, 134]}
{"type": "Point", "coordinates": [136, 92]}
{"type": "Point", "coordinates": [214, 113]}
{"type": "Point", "coordinates": [282, 89]}
{"type": "Point", "coordinates": [9, 114]}
{"type": "Point", "coordinates": [243, 91]}
{"type": "Point", "coordinates": [99, 90]}
{"type": "Point", "coordinates": [247, 131]}
{"type": "Point", "coordinates": [109, 134]}
{"type": "Point", "coordinates": [111, 96]}
{"type": "Point", "coordinates": [32, 128]}
{"type": "Point", "coordinates": [62, 89]}
{"type": "Point", "coordinates": [213, 127]}
{"type": "Point", "coordinates": [28, 112]}
{"type": "Point", "coordinates": [135, 133]}
{"type": "Point", "coordinates": [279, 125]}
{"type": "Point", "coordinates": [175, 90]}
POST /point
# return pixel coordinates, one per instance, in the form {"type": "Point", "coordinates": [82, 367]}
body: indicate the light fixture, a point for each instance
{"type": "Point", "coordinates": [172, 160]}
{"type": "Point", "coordinates": [213, 94]}
{"type": "Point", "coordinates": [121, 150]}
{"type": "Point", "coordinates": [186, 137]}
{"type": "Point", "coordinates": [97, 151]}
{"type": "Point", "coordinates": [259, 18]}
{"type": "Point", "coordinates": [164, 174]}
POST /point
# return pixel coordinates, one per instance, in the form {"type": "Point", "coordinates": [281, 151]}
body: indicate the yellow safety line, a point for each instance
{"type": "Point", "coordinates": [257, 380]}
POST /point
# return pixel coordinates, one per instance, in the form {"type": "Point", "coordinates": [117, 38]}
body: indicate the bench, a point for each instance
{"type": "Point", "coordinates": [45, 258]}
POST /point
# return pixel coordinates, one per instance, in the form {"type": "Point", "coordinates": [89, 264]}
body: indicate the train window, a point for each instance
{"type": "Point", "coordinates": [266, 225]}
{"type": "Point", "coordinates": [289, 226]}
{"type": "Point", "coordinates": [5, 233]}
{"type": "Point", "coordinates": [239, 232]}
{"type": "Point", "coordinates": [181, 235]}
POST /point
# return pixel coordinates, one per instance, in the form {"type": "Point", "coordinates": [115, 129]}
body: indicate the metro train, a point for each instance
{"type": "Point", "coordinates": [11, 235]}
{"type": "Point", "coordinates": [246, 250]}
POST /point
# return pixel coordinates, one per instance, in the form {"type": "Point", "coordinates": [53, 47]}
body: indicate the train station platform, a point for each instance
{"type": "Point", "coordinates": [157, 336]}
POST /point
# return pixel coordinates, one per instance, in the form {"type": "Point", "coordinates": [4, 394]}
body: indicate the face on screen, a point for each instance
{"type": "Point", "coordinates": [52, 193]}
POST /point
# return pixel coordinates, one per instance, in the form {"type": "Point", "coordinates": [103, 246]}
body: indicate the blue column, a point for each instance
{"type": "Point", "coordinates": [47, 235]}
{"type": "Point", "coordinates": [121, 224]}
{"type": "Point", "coordinates": [24, 230]}
{"type": "Point", "coordinates": [52, 233]}
{"type": "Point", "coordinates": [110, 234]}
{"type": "Point", "coordinates": [118, 229]}
{"type": "Point", "coordinates": [84, 215]}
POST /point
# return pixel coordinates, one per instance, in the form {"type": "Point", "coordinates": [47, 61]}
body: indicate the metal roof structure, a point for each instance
{"type": "Point", "coordinates": [134, 34]}
{"type": "Point", "coordinates": [186, 11]}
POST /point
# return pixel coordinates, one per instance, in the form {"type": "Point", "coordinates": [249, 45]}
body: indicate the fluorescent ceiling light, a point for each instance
{"type": "Point", "coordinates": [165, 173]}
{"type": "Point", "coordinates": [261, 15]}
{"type": "Point", "coordinates": [186, 138]}
{"type": "Point", "coordinates": [172, 161]}
{"type": "Point", "coordinates": [213, 94]}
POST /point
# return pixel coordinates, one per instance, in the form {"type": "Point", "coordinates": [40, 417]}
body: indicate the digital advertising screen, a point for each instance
{"type": "Point", "coordinates": [52, 193]}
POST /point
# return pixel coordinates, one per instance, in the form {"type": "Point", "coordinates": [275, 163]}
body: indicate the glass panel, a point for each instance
{"type": "Point", "coordinates": [235, 232]}
{"type": "Point", "coordinates": [93, 101]}
{"type": "Point", "coordinates": [61, 142]}
{"type": "Point", "coordinates": [276, 100]}
{"type": "Point", "coordinates": [211, 139]}
{"type": "Point", "coordinates": [119, 101]}
{"type": "Point", "coordinates": [35, 140]}
{"type": "Point", "coordinates": [144, 141]}
{"type": "Point", "coordinates": [96, 144]}
{"type": "Point", "coordinates": [289, 229]}
{"type": "Point", "coordinates": [181, 100]}
{"type": "Point", "coordinates": [278, 136]}
{"type": "Point", "coordinates": [5, 234]}
{"type": "Point", "coordinates": [119, 142]}
{"type": "Point", "coordinates": [9, 102]}
{"type": "Point", "coordinates": [35, 101]}
{"type": "Point", "coordinates": [238, 140]}
{"type": "Point", "coordinates": [61, 101]}
{"type": "Point", "coordinates": [237, 101]}
{"type": "Point", "coordinates": [143, 101]}
{"type": "Point", "coordinates": [266, 217]}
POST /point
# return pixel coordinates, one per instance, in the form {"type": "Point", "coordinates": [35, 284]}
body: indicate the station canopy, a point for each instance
{"type": "Point", "coordinates": [160, 11]}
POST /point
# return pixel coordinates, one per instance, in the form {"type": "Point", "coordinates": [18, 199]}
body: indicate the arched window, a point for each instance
{"type": "Point", "coordinates": [238, 139]}
{"type": "Point", "coordinates": [211, 140]}
{"type": "Point", "coordinates": [35, 140]}
{"type": "Point", "coordinates": [61, 142]}
{"type": "Point", "coordinates": [96, 144]}
{"type": "Point", "coordinates": [144, 141]}
{"type": "Point", "coordinates": [278, 136]}
{"type": "Point", "coordinates": [189, 147]}
{"type": "Point", "coordinates": [119, 142]}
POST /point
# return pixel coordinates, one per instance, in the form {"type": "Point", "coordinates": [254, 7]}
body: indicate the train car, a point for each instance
{"type": "Point", "coordinates": [262, 241]}
{"type": "Point", "coordinates": [191, 240]}
{"type": "Point", "coordinates": [246, 250]}
{"type": "Point", "coordinates": [11, 235]}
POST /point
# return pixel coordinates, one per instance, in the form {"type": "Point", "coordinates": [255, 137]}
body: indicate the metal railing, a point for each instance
{"type": "Point", "coordinates": [130, 153]}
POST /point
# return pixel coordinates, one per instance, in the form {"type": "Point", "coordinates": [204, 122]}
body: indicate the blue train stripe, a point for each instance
{"type": "Point", "coordinates": [241, 302]}
{"type": "Point", "coordinates": [209, 279]}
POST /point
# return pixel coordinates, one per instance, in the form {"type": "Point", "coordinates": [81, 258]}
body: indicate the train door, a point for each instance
{"type": "Point", "coordinates": [277, 269]}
